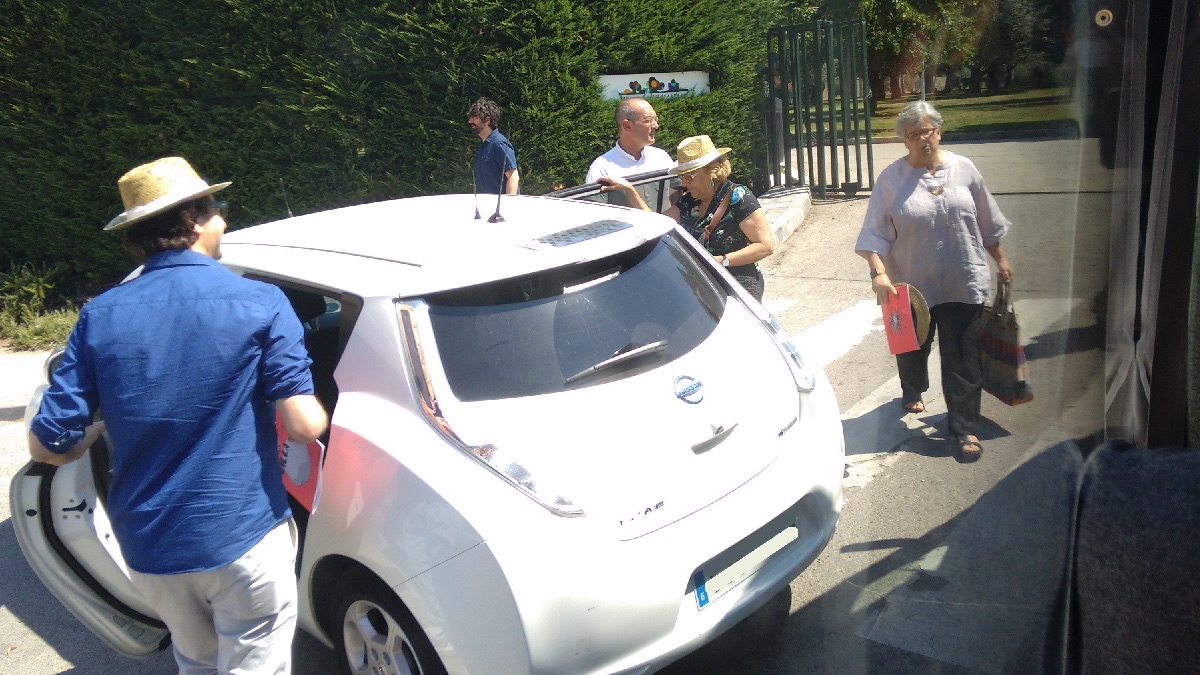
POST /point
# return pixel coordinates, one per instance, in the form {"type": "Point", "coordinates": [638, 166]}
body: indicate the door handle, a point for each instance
{"type": "Point", "coordinates": [719, 435]}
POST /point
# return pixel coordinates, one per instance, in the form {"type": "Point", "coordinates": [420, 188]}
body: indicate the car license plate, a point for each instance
{"type": "Point", "coordinates": [709, 589]}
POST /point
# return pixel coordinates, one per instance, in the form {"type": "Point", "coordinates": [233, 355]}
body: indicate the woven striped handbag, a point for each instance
{"type": "Point", "coordinates": [1005, 373]}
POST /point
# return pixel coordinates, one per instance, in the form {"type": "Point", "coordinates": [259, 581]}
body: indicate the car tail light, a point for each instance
{"type": "Point", "coordinates": [500, 462]}
{"type": "Point", "coordinates": [806, 378]}
{"type": "Point", "coordinates": [504, 465]}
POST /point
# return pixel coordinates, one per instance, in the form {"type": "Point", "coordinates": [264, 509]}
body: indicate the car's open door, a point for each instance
{"type": "Point", "coordinates": [63, 529]}
{"type": "Point", "coordinates": [654, 186]}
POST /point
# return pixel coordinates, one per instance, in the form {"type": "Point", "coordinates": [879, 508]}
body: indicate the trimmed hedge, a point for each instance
{"type": "Point", "coordinates": [331, 102]}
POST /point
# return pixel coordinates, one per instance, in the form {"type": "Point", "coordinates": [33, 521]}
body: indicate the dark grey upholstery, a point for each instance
{"type": "Point", "coordinates": [1135, 587]}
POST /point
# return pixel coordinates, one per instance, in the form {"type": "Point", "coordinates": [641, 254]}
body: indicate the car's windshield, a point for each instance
{"type": "Point", "coordinates": [530, 335]}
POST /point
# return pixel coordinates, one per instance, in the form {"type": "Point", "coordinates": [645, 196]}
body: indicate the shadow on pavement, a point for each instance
{"type": "Point", "coordinates": [1065, 341]}
{"type": "Point", "coordinates": [885, 428]}
{"type": "Point", "coordinates": [23, 594]}
{"type": "Point", "coordinates": [888, 429]}
{"type": "Point", "coordinates": [12, 413]}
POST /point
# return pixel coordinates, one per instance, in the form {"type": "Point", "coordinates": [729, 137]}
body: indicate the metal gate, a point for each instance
{"type": "Point", "coordinates": [819, 115]}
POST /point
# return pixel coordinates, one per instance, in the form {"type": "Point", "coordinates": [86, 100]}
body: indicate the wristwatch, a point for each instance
{"type": "Point", "coordinates": [877, 272]}
{"type": "Point", "coordinates": [725, 261]}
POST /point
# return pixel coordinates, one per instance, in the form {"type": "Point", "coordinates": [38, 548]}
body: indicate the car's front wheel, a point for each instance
{"type": "Point", "coordinates": [374, 633]}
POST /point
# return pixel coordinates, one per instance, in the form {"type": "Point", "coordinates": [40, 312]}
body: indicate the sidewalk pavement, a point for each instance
{"type": "Point", "coordinates": [22, 373]}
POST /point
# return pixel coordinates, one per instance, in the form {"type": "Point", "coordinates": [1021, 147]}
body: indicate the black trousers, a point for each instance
{"type": "Point", "coordinates": [750, 278]}
{"type": "Point", "coordinates": [957, 326]}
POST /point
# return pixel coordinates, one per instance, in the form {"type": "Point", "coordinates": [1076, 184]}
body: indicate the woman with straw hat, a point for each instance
{"type": "Point", "coordinates": [723, 216]}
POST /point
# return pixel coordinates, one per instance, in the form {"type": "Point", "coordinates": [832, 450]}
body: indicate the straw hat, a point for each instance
{"type": "Point", "coordinates": [920, 309]}
{"type": "Point", "coordinates": [695, 152]}
{"type": "Point", "coordinates": [153, 188]}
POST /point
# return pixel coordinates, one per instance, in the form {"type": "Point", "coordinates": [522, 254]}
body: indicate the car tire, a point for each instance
{"type": "Point", "coordinates": [374, 633]}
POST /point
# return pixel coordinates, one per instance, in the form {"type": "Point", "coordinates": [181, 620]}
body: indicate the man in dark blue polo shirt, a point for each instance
{"type": "Point", "coordinates": [496, 160]}
{"type": "Point", "coordinates": [190, 363]}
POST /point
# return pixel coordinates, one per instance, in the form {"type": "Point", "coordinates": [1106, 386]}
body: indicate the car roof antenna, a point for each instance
{"type": "Point", "coordinates": [496, 217]}
{"type": "Point", "coordinates": [475, 188]}
{"type": "Point", "coordinates": [285, 199]}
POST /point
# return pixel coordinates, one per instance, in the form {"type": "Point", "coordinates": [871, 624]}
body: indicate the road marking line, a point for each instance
{"type": "Point", "coordinates": [837, 335]}
{"type": "Point", "coordinates": [778, 306]}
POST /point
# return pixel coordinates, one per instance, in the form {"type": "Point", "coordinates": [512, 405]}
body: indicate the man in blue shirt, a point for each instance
{"type": "Point", "coordinates": [496, 161]}
{"type": "Point", "coordinates": [190, 363]}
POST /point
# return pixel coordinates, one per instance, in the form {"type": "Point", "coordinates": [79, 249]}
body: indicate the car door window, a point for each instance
{"type": "Point", "coordinates": [327, 319]}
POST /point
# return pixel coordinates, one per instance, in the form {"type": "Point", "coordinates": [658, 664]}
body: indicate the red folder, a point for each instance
{"type": "Point", "coordinates": [898, 322]}
{"type": "Point", "coordinates": [301, 466]}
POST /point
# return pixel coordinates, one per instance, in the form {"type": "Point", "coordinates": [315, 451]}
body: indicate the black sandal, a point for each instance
{"type": "Point", "coordinates": [969, 447]}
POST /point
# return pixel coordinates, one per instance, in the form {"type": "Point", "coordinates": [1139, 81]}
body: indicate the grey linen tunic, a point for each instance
{"type": "Point", "coordinates": [936, 243]}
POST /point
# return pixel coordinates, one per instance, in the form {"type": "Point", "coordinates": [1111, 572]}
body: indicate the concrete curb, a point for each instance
{"type": "Point", "coordinates": [785, 209]}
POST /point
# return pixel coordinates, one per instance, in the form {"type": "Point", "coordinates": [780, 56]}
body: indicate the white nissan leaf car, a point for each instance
{"type": "Point", "coordinates": [565, 442]}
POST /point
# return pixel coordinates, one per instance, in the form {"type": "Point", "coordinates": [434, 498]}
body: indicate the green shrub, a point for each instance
{"type": "Point", "coordinates": [24, 289]}
{"type": "Point", "coordinates": [42, 331]}
{"type": "Point", "coordinates": [331, 103]}
{"type": "Point", "coordinates": [24, 320]}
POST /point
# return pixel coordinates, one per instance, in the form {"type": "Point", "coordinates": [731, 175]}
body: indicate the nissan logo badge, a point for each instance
{"type": "Point", "coordinates": [688, 389]}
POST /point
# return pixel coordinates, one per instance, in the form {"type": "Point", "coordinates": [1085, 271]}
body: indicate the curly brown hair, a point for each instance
{"type": "Point", "coordinates": [172, 230]}
{"type": "Point", "coordinates": [486, 110]}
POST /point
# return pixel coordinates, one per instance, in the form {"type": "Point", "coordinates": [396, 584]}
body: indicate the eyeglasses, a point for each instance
{"type": "Point", "coordinates": [921, 134]}
{"type": "Point", "coordinates": [649, 119]}
{"type": "Point", "coordinates": [219, 207]}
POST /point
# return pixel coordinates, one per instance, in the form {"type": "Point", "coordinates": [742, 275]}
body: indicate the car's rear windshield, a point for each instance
{"type": "Point", "coordinates": [555, 330]}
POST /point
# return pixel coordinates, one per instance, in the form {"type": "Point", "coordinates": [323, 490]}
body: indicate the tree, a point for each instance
{"type": "Point", "coordinates": [992, 37]}
{"type": "Point", "coordinates": [1005, 39]}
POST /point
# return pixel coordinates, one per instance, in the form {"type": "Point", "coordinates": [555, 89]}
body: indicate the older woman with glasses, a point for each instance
{"type": "Point", "coordinates": [932, 223]}
{"type": "Point", "coordinates": [723, 216]}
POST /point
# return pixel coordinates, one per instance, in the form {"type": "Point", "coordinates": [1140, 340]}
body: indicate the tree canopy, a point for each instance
{"type": "Point", "coordinates": [974, 41]}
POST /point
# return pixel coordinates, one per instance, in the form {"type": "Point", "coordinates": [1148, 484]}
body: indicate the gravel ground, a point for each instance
{"type": "Point", "coordinates": [22, 373]}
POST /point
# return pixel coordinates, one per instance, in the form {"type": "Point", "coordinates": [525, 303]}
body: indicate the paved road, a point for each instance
{"type": "Point", "coordinates": [937, 566]}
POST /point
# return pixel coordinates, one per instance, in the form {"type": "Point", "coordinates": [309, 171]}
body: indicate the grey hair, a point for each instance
{"type": "Point", "coordinates": [912, 115]}
{"type": "Point", "coordinates": [625, 109]}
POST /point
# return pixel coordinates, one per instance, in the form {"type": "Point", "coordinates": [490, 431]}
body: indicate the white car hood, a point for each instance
{"type": "Point", "coordinates": [633, 454]}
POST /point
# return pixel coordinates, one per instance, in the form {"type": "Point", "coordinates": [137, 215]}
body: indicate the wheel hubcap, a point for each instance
{"type": "Point", "coordinates": [375, 642]}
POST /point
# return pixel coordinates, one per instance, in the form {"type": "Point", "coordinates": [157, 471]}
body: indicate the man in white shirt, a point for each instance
{"type": "Point", "coordinates": [634, 151]}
